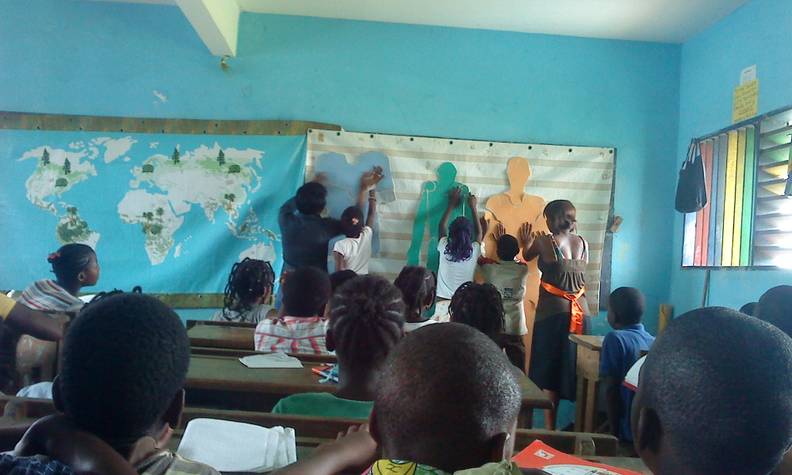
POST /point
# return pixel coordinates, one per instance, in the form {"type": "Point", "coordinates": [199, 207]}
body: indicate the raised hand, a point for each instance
{"type": "Point", "coordinates": [454, 197]}
{"type": "Point", "coordinates": [498, 232]}
{"type": "Point", "coordinates": [472, 201]}
{"type": "Point", "coordinates": [526, 236]}
{"type": "Point", "coordinates": [370, 178]}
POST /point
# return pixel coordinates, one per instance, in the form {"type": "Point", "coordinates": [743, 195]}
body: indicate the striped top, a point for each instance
{"type": "Point", "coordinates": [292, 335]}
{"type": "Point", "coordinates": [47, 296]}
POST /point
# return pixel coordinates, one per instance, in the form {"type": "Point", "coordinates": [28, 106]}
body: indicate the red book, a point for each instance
{"type": "Point", "coordinates": [542, 456]}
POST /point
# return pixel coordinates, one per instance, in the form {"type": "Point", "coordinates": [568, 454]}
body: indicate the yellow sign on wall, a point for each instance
{"type": "Point", "coordinates": [746, 101]}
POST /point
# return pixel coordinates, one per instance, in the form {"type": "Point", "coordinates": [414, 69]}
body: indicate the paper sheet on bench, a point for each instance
{"type": "Point", "coordinates": [271, 360]}
{"type": "Point", "coordinates": [238, 447]}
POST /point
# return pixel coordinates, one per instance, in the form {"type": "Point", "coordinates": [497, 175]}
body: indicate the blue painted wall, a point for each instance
{"type": "Point", "coordinates": [758, 33]}
{"type": "Point", "coordinates": [107, 59]}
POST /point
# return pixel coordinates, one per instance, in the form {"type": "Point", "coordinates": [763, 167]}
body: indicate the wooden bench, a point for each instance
{"type": "Point", "coordinates": [316, 430]}
{"type": "Point", "coordinates": [587, 367]}
{"type": "Point", "coordinates": [311, 431]}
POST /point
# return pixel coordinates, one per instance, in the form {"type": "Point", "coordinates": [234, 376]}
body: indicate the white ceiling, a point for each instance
{"type": "Point", "coordinates": [668, 21]}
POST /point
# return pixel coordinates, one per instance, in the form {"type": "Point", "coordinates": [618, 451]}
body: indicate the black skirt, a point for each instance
{"type": "Point", "coordinates": [553, 356]}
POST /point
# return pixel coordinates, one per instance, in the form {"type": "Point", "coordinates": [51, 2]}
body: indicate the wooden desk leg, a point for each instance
{"type": "Point", "coordinates": [525, 418]}
{"type": "Point", "coordinates": [580, 402]}
{"type": "Point", "coordinates": [591, 409]}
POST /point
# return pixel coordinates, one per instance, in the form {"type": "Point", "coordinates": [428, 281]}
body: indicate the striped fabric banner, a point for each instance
{"type": "Point", "coordinates": [720, 235]}
{"type": "Point", "coordinates": [582, 175]}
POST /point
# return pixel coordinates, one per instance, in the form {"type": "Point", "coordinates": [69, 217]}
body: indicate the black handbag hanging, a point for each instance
{"type": "Point", "coordinates": [691, 193]}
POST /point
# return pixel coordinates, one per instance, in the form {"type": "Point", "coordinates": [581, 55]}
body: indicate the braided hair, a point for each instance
{"type": "Point", "coordinates": [366, 320]}
{"type": "Point", "coordinates": [248, 280]}
{"type": "Point", "coordinates": [71, 259]}
{"type": "Point", "coordinates": [417, 285]}
{"type": "Point", "coordinates": [460, 240]}
{"type": "Point", "coordinates": [480, 306]}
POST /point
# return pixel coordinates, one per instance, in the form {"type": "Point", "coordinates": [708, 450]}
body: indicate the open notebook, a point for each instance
{"type": "Point", "coordinates": [238, 447]}
{"type": "Point", "coordinates": [542, 456]}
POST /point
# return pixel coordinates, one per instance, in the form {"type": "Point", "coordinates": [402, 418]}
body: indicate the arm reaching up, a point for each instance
{"type": "Point", "coordinates": [372, 209]}
{"type": "Point", "coordinates": [473, 203]}
{"type": "Point", "coordinates": [454, 198]}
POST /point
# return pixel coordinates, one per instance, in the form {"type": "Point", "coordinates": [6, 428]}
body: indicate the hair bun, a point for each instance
{"type": "Point", "coordinates": [53, 257]}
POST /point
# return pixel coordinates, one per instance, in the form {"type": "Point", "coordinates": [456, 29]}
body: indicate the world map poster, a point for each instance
{"type": "Point", "coordinates": [173, 212]}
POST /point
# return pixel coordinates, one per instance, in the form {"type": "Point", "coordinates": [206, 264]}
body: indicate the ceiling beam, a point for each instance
{"type": "Point", "coordinates": [215, 21]}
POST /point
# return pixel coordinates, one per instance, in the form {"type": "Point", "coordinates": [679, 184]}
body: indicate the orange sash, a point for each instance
{"type": "Point", "coordinates": [576, 320]}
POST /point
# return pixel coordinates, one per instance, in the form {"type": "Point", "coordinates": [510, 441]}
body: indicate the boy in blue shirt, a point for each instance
{"type": "Point", "coordinates": [620, 350]}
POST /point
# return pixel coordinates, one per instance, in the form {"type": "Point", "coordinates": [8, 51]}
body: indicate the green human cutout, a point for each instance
{"type": "Point", "coordinates": [432, 203]}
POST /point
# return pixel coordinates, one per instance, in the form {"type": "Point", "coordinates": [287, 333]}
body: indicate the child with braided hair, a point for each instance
{"type": "Point", "coordinates": [366, 322]}
{"type": "Point", "coordinates": [250, 284]}
{"type": "Point", "coordinates": [479, 306]}
{"type": "Point", "coordinates": [418, 286]}
{"type": "Point", "coordinates": [75, 266]}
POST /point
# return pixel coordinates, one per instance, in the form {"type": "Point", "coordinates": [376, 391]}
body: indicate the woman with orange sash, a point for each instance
{"type": "Point", "coordinates": [562, 306]}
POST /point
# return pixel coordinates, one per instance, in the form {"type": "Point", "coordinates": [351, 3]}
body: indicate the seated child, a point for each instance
{"type": "Point", "coordinates": [774, 307]}
{"type": "Point", "coordinates": [417, 286]}
{"type": "Point", "coordinates": [459, 248]}
{"type": "Point", "coordinates": [354, 251]}
{"type": "Point", "coordinates": [715, 396]}
{"type": "Point", "coordinates": [75, 266]}
{"type": "Point", "coordinates": [301, 329]}
{"type": "Point", "coordinates": [366, 321]}
{"type": "Point", "coordinates": [480, 306]}
{"type": "Point", "coordinates": [125, 362]}
{"type": "Point", "coordinates": [508, 276]}
{"type": "Point", "coordinates": [621, 348]}
{"type": "Point", "coordinates": [749, 309]}
{"type": "Point", "coordinates": [448, 401]}
{"type": "Point", "coordinates": [249, 286]}
{"type": "Point", "coordinates": [31, 322]}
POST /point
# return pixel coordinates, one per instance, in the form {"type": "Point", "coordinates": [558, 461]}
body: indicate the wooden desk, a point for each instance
{"type": "Point", "coordinates": [588, 359]}
{"type": "Point", "coordinates": [304, 357]}
{"type": "Point", "coordinates": [223, 382]}
{"type": "Point", "coordinates": [222, 336]}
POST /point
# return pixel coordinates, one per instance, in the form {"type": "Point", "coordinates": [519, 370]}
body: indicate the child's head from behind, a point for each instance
{"type": "Point", "coordinates": [125, 361]}
{"type": "Point", "coordinates": [715, 396]}
{"type": "Point", "coordinates": [508, 248]}
{"type": "Point", "coordinates": [418, 287]}
{"type": "Point", "coordinates": [460, 240]}
{"type": "Point", "coordinates": [480, 306]}
{"type": "Point", "coordinates": [311, 198]}
{"type": "Point", "coordinates": [448, 398]}
{"type": "Point", "coordinates": [339, 278]}
{"type": "Point", "coordinates": [775, 307]}
{"type": "Point", "coordinates": [306, 291]}
{"type": "Point", "coordinates": [366, 321]}
{"type": "Point", "coordinates": [560, 215]}
{"type": "Point", "coordinates": [249, 283]}
{"type": "Point", "coordinates": [625, 307]}
{"type": "Point", "coordinates": [75, 264]}
{"type": "Point", "coordinates": [352, 222]}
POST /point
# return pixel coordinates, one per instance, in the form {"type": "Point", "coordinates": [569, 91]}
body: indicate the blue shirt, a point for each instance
{"type": "Point", "coordinates": [31, 466]}
{"type": "Point", "coordinates": [620, 350]}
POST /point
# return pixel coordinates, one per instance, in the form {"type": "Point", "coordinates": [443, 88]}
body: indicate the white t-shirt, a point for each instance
{"type": "Point", "coordinates": [450, 274]}
{"type": "Point", "coordinates": [509, 279]}
{"type": "Point", "coordinates": [356, 251]}
{"type": "Point", "coordinates": [412, 326]}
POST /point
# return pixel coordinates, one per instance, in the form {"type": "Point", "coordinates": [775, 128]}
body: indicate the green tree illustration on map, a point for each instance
{"type": "Point", "coordinates": [221, 158]}
{"type": "Point", "coordinates": [45, 160]}
{"type": "Point", "coordinates": [175, 156]}
{"type": "Point", "coordinates": [66, 167]}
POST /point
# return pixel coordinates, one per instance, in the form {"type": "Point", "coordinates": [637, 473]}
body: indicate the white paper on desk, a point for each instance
{"type": "Point", "coordinates": [271, 360]}
{"type": "Point", "coordinates": [238, 447]}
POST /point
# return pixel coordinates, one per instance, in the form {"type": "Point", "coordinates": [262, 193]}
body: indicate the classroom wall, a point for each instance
{"type": "Point", "coordinates": [114, 59]}
{"type": "Point", "coordinates": [757, 33]}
